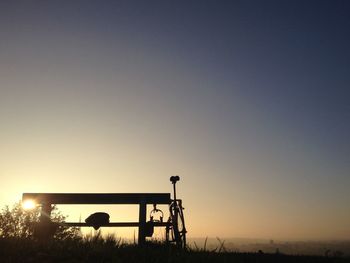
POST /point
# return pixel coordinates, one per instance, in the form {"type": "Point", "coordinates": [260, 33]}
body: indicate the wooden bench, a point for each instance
{"type": "Point", "coordinates": [46, 200]}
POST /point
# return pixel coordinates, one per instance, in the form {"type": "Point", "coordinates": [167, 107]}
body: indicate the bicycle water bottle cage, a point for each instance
{"type": "Point", "coordinates": [174, 179]}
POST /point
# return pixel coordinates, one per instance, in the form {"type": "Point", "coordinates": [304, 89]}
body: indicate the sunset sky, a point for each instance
{"type": "Point", "coordinates": [247, 101]}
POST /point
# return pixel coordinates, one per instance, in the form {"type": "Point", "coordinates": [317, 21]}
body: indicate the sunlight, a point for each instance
{"type": "Point", "coordinates": [28, 204]}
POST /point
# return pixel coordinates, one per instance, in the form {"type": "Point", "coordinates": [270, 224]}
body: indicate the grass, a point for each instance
{"type": "Point", "coordinates": [109, 249]}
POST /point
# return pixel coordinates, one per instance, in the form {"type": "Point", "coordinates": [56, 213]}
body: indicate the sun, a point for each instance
{"type": "Point", "coordinates": [28, 204]}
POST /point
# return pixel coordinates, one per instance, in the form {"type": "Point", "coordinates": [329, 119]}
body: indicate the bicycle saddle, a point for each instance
{"type": "Point", "coordinates": [174, 179]}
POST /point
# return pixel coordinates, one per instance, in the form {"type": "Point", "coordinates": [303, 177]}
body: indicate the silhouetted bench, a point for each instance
{"type": "Point", "coordinates": [46, 200]}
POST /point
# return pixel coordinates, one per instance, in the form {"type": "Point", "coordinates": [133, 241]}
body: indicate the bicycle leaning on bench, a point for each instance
{"type": "Point", "coordinates": [175, 230]}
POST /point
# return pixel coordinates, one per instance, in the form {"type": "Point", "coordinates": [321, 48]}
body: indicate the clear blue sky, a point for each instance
{"type": "Point", "coordinates": [248, 101]}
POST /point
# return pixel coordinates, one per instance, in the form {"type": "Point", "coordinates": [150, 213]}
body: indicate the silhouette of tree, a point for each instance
{"type": "Point", "coordinates": [17, 222]}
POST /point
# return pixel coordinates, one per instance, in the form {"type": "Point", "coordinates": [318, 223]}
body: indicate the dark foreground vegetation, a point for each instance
{"type": "Point", "coordinates": [19, 244]}
{"type": "Point", "coordinates": [98, 249]}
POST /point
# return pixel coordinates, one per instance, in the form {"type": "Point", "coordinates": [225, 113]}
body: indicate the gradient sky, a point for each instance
{"type": "Point", "coordinates": [248, 101]}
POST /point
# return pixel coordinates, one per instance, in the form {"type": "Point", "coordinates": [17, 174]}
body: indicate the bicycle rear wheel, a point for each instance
{"type": "Point", "coordinates": [176, 230]}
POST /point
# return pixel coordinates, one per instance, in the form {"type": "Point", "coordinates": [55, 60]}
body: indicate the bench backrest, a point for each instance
{"type": "Point", "coordinates": [98, 198]}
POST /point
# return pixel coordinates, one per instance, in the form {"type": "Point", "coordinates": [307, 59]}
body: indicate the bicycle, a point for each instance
{"type": "Point", "coordinates": [175, 231]}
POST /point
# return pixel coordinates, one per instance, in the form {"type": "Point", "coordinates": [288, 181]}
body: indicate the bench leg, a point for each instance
{"type": "Point", "coordinates": [142, 223]}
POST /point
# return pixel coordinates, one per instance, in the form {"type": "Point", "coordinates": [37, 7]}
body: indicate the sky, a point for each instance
{"type": "Point", "coordinates": [247, 101]}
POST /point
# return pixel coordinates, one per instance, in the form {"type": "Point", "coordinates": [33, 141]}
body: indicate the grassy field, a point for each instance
{"type": "Point", "coordinates": [97, 249]}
